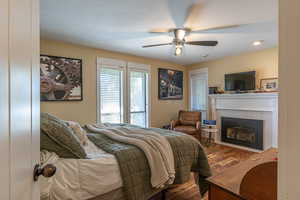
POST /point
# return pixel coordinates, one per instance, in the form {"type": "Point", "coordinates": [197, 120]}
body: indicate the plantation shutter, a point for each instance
{"type": "Point", "coordinates": [110, 90]}
{"type": "Point", "coordinates": [111, 95]}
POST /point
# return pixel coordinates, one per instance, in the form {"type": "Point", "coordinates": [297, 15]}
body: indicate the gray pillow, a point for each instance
{"type": "Point", "coordinates": [57, 137]}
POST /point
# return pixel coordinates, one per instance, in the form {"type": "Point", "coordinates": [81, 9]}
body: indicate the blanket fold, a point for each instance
{"type": "Point", "coordinates": [188, 156]}
{"type": "Point", "coordinates": [156, 148]}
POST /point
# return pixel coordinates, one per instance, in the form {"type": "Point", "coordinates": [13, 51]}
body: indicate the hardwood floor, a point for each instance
{"type": "Point", "coordinates": [220, 158]}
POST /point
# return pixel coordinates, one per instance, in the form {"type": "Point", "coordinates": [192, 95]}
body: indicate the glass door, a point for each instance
{"type": "Point", "coordinates": [138, 100]}
{"type": "Point", "coordinates": [111, 95]}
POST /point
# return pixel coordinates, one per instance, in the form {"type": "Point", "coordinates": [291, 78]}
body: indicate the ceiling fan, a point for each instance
{"type": "Point", "coordinates": [180, 34]}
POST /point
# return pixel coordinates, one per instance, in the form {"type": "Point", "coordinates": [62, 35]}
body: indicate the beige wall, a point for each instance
{"type": "Point", "coordinates": [264, 62]}
{"type": "Point", "coordinates": [289, 98]}
{"type": "Point", "coordinates": [85, 111]}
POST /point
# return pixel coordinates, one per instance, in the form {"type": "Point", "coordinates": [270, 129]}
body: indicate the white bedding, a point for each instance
{"type": "Point", "coordinates": [81, 179]}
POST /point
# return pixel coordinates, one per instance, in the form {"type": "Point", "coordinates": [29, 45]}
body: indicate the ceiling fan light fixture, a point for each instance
{"type": "Point", "coordinates": [257, 42]}
{"type": "Point", "coordinates": [178, 51]}
{"type": "Point", "coordinates": [180, 34]}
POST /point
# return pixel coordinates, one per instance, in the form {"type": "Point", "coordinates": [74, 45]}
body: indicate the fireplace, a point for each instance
{"type": "Point", "coordinates": [243, 132]}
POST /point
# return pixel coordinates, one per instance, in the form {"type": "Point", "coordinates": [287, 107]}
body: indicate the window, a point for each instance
{"type": "Point", "coordinates": [138, 98]}
{"type": "Point", "coordinates": [199, 91]}
{"type": "Point", "coordinates": [111, 91]}
{"type": "Point", "coordinates": [123, 92]}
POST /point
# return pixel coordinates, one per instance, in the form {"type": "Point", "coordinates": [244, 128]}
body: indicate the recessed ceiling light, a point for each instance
{"type": "Point", "coordinates": [258, 43]}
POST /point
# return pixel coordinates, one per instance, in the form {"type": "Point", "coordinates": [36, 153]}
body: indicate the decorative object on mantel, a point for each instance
{"type": "Point", "coordinates": [220, 91]}
{"type": "Point", "coordinates": [213, 90]}
{"type": "Point", "coordinates": [170, 84]}
{"type": "Point", "coordinates": [60, 78]}
{"type": "Point", "coordinates": [269, 84]}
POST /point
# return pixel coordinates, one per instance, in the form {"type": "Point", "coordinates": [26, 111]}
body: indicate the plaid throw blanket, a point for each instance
{"type": "Point", "coordinates": [188, 154]}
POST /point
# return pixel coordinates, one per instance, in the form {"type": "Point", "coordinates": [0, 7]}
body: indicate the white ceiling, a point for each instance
{"type": "Point", "coordinates": [123, 25]}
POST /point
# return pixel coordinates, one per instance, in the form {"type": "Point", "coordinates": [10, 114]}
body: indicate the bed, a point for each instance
{"type": "Point", "coordinates": [113, 170]}
{"type": "Point", "coordinates": [79, 179]}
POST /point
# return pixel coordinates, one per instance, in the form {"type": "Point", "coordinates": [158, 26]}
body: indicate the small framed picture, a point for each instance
{"type": "Point", "coordinates": [269, 84]}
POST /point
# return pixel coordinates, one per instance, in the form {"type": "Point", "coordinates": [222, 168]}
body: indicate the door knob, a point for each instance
{"type": "Point", "coordinates": [47, 171]}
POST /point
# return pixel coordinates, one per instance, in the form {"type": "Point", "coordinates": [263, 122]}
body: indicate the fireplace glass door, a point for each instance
{"type": "Point", "coordinates": [243, 132]}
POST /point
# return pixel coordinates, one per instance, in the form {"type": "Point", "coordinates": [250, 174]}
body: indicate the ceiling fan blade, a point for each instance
{"type": "Point", "coordinates": [160, 30]}
{"type": "Point", "coordinates": [156, 45]}
{"type": "Point", "coordinates": [203, 43]}
{"type": "Point", "coordinates": [193, 13]}
{"type": "Point", "coordinates": [215, 28]}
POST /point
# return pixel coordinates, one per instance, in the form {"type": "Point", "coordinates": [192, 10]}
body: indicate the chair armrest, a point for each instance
{"type": "Point", "coordinates": [174, 123]}
{"type": "Point", "coordinates": [198, 125]}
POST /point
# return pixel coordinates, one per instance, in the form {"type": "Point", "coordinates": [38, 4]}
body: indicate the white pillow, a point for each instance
{"type": "Point", "coordinates": [78, 131]}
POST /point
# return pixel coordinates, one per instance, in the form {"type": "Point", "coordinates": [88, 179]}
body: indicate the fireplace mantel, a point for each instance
{"type": "Point", "coordinates": [259, 106]}
{"type": "Point", "coordinates": [247, 101]}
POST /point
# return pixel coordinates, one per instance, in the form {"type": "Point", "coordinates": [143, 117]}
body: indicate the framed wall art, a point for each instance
{"type": "Point", "coordinates": [60, 78]}
{"type": "Point", "coordinates": [269, 84]}
{"type": "Point", "coordinates": [170, 84]}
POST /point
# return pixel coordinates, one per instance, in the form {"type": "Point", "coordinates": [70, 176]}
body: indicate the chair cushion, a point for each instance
{"type": "Point", "coordinates": [57, 137]}
{"type": "Point", "coordinates": [191, 130]}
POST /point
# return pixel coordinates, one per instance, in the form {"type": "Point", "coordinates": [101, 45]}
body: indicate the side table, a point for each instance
{"type": "Point", "coordinates": [211, 130]}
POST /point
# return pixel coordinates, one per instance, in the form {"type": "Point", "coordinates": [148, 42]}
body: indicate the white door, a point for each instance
{"type": "Point", "coordinates": [138, 98]}
{"type": "Point", "coordinates": [19, 99]}
{"type": "Point", "coordinates": [199, 91]}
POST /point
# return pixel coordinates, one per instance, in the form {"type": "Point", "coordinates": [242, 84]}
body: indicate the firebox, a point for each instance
{"type": "Point", "coordinates": [243, 132]}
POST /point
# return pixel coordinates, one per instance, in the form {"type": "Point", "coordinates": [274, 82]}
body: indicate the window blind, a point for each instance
{"type": "Point", "coordinates": [111, 95]}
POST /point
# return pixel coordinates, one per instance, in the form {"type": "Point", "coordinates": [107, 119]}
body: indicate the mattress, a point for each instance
{"type": "Point", "coordinates": [82, 179]}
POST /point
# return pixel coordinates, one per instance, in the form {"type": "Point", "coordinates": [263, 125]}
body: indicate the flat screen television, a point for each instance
{"type": "Point", "coordinates": [243, 81]}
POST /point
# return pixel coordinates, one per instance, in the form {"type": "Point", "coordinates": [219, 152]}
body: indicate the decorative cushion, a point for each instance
{"type": "Point", "coordinates": [57, 137]}
{"type": "Point", "coordinates": [78, 131]}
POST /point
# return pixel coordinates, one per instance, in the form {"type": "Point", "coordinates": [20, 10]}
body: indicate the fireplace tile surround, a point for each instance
{"type": "Point", "coordinates": [253, 106]}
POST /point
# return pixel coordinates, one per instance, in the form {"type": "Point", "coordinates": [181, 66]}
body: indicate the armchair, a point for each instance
{"type": "Point", "coordinates": [188, 122]}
